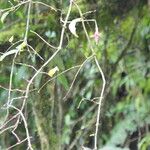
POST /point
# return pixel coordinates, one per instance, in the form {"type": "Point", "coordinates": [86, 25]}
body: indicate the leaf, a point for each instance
{"type": "Point", "coordinates": [4, 15]}
{"type": "Point", "coordinates": [72, 26]}
{"type": "Point", "coordinates": [63, 80]}
{"type": "Point", "coordinates": [8, 53]}
{"type": "Point", "coordinates": [21, 46]}
{"type": "Point", "coordinates": [11, 39]}
{"type": "Point", "coordinates": [58, 61]}
{"type": "Point", "coordinates": [67, 119]}
{"type": "Point", "coordinates": [53, 71]}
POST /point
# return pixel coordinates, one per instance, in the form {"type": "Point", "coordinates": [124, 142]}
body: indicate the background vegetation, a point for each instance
{"type": "Point", "coordinates": [61, 120]}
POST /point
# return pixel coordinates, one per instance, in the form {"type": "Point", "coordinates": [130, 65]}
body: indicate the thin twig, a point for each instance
{"type": "Point", "coordinates": [35, 52]}
{"type": "Point", "coordinates": [63, 72]}
{"type": "Point", "coordinates": [15, 7]}
{"type": "Point", "coordinates": [51, 46]}
{"type": "Point", "coordinates": [40, 69]}
{"type": "Point", "coordinates": [75, 77]}
{"type": "Point", "coordinates": [103, 79]}
{"type": "Point", "coordinates": [25, 125]}
{"type": "Point", "coordinates": [18, 143]}
{"type": "Point", "coordinates": [28, 21]}
{"type": "Point", "coordinates": [44, 4]}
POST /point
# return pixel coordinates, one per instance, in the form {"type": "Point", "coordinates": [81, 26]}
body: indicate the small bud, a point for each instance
{"type": "Point", "coordinates": [96, 36]}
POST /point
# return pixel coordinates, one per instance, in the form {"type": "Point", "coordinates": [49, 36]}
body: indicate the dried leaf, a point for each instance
{"type": "Point", "coordinates": [11, 39]}
{"type": "Point", "coordinates": [19, 48]}
{"type": "Point", "coordinates": [8, 53]}
{"type": "Point", "coordinates": [53, 71]}
{"type": "Point", "coordinates": [72, 26]}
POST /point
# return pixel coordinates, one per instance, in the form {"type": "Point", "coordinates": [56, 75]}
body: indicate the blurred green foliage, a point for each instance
{"type": "Point", "coordinates": [123, 52]}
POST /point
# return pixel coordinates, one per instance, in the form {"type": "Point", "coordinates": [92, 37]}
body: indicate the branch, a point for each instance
{"type": "Point", "coordinates": [102, 75]}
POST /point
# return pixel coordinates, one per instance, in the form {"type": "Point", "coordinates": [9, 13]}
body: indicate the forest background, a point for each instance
{"type": "Point", "coordinates": [75, 74]}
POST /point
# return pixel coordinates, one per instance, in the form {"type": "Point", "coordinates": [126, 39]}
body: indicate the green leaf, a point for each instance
{"type": "Point", "coordinates": [67, 120]}
{"type": "Point", "coordinates": [63, 80]}
{"type": "Point", "coordinates": [144, 143]}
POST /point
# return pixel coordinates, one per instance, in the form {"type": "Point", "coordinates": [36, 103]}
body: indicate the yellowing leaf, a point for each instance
{"type": "Point", "coordinates": [21, 46]}
{"type": "Point", "coordinates": [72, 26]}
{"type": "Point", "coordinates": [4, 15]}
{"type": "Point", "coordinates": [53, 71]}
